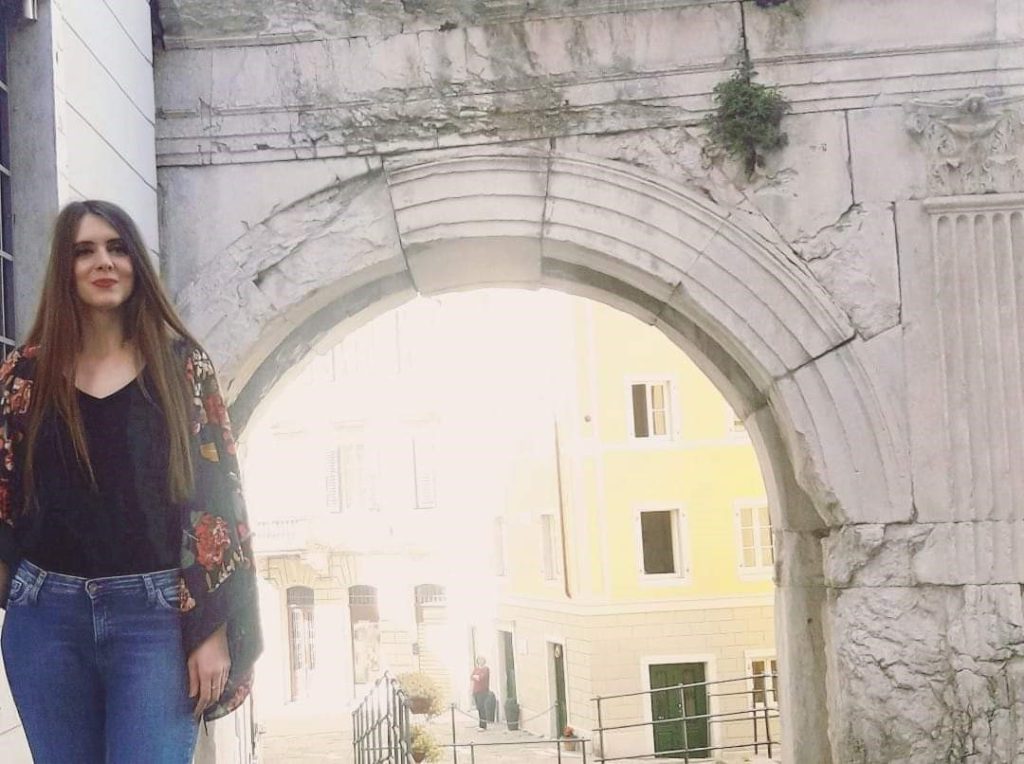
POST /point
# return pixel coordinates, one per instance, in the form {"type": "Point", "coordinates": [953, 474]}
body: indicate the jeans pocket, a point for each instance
{"type": "Point", "coordinates": [19, 591]}
{"type": "Point", "coordinates": [167, 598]}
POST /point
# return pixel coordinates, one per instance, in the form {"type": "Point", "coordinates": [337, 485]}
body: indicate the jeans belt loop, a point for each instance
{"type": "Point", "coordinates": [150, 589]}
{"type": "Point", "coordinates": [36, 585]}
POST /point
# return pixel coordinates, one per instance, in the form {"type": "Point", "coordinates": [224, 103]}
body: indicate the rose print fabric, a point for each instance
{"type": "Point", "coordinates": [218, 577]}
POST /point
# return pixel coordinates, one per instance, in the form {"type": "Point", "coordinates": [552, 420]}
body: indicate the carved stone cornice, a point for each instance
{"type": "Point", "coordinates": [975, 144]}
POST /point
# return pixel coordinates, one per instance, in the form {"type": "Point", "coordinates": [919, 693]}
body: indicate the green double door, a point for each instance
{"type": "Point", "coordinates": [670, 704]}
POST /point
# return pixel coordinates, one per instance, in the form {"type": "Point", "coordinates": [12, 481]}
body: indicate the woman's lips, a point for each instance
{"type": "Point", "coordinates": [104, 283]}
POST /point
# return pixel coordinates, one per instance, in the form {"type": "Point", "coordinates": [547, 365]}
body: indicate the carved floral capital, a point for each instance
{"type": "Point", "coordinates": [975, 144]}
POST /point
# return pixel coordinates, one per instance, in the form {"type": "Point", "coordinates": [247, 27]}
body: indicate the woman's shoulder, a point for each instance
{"type": "Point", "coordinates": [195, 359]}
{"type": "Point", "coordinates": [19, 363]}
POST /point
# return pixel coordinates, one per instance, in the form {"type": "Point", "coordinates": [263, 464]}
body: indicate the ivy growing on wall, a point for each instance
{"type": "Point", "coordinates": [746, 122]}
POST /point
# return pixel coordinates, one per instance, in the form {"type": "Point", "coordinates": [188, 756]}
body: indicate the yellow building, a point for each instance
{"type": "Point", "coordinates": [642, 549]}
{"type": "Point", "coordinates": [525, 476]}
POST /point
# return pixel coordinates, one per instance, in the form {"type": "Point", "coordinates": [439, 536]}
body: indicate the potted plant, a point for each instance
{"type": "Point", "coordinates": [570, 734]}
{"type": "Point", "coordinates": [422, 745]}
{"type": "Point", "coordinates": [512, 712]}
{"type": "Point", "coordinates": [423, 692]}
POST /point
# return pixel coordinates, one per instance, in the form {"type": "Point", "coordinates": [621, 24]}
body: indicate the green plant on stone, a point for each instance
{"type": "Point", "coordinates": [747, 120]}
{"type": "Point", "coordinates": [423, 745]}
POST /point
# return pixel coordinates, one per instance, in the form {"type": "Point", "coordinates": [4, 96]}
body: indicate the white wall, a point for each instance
{"type": "Point", "coordinates": [105, 106]}
{"type": "Point", "coordinates": [87, 131]}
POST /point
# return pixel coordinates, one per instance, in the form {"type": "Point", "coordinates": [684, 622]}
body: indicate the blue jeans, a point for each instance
{"type": "Point", "coordinates": [97, 668]}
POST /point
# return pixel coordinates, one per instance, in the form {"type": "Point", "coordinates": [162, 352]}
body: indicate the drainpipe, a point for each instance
{"type": "Point", "coordinates": [561, 514]}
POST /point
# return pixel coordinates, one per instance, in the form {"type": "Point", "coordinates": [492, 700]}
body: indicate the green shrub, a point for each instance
{"type": "Point", "coordinates": [747, 119]}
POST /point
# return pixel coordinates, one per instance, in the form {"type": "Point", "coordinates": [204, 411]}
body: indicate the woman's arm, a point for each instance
{"type": "Point", "coordinates": [219, 600]}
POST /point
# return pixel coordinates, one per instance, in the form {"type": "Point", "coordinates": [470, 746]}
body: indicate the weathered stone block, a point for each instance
{"type": "Point", "coordinates": [806, 186]}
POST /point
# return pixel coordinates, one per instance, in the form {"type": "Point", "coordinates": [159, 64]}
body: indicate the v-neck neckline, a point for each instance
{"type": "Point", "coordinates": [108, 396]}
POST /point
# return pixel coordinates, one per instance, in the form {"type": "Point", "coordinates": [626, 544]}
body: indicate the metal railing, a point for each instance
{"type": "Point", "coordinates": [561, 744]}
{"type": "Point", "coordinates": [566, 744]}
{"type": "Point", "coordinates": [757, 714]}
{"type": "Point", "coordinates": [380, 725]}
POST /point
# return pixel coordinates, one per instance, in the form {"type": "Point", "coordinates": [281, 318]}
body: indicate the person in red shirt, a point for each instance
{"type": "Point", "coordinates": [481, 681]}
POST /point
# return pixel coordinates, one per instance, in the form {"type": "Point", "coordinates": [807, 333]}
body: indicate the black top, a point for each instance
{"type": "Point", "coordinates": [129, 524]}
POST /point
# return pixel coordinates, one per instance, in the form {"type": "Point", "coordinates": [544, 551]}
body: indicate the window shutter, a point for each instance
{"type": "Point", "coordinates": [332, 481]}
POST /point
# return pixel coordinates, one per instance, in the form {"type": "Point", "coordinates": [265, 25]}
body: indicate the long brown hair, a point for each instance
{"type": "Point", "coordinates": [150, 321]}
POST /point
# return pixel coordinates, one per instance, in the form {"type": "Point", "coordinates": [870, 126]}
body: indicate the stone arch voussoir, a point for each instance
{"type": "Point", "coordinates": [714, 279]}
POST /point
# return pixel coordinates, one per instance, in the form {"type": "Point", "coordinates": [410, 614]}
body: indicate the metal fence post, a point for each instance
{"type": "Point", "coordinates": [455, 750]}
{"type": "Point", "coordinates": [600, 734]}
{"type": "Point", "coordinates": [686, 736]}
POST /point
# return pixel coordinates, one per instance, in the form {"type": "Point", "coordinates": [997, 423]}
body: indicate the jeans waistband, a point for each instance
{"type": "Point", "coordinates": [35, 578]}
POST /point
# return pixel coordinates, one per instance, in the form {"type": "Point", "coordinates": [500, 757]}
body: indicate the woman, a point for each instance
{"type": "Point", "coordinates": [480, 681]}
{"type": "Point", "coordinates": [124, 547]}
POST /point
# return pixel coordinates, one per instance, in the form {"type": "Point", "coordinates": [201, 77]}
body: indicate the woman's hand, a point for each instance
{"type": "Point", "coordinates": [208, 667]}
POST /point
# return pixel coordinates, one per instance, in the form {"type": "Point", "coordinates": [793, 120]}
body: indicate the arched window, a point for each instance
{"type": "Point", "coordinates": [430, 594]}
{"type": "Point", "coordinates": [365, 619]}
{"type": "Point", "coordinates": [362, 602]}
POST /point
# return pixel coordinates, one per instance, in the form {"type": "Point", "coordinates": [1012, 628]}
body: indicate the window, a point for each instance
{"type": "Point", "coordinates": [6, 211]}
{"type": "Point", "coordinates": [302, 648]}
{"type": "Point", "coordinates": [551, 557]}
{"type": "Point", "coordinates": [333, 481]}
{"type": "Point", "coordinates": [651, 411]}
{"type": "Point", "coordinates": [350, 479]}
{"type": "Point", "coordinates": [660, 538]}
{"type": "Point", "coordinates": [365, 619]}
{"type": "Point", "coordinates": [424, 469]}
{"type": "Point", "coordinates": [431, 594]}
{"type": "Point", "coordinates": [499, 546]}
{"type": "Point", "coordinates": [755, 528]}
{"type": "Point", "coordinates": [764, 673]}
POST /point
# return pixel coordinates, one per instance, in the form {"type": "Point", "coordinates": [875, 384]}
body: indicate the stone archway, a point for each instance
{"type": "Point", "coordinates": [718, 282]}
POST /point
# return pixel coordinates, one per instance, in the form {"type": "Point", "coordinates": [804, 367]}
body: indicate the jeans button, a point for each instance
{"type": "Point", "coordinates": [90, 587]}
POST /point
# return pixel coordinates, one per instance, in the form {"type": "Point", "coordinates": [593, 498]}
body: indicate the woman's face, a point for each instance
{"type": "Point", "coordinates": [104, 277]}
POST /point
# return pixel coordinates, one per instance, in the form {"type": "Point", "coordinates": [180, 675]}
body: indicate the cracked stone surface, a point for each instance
{"type": "Point", "coordinates": [933, 673]}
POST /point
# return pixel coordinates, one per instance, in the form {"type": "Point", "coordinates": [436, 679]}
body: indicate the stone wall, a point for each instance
{"type": "Point", "coordinates": [857, 300]}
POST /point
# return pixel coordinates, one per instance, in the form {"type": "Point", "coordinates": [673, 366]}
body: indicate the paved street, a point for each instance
{"type": "Point", "coordinates": [303, 735]}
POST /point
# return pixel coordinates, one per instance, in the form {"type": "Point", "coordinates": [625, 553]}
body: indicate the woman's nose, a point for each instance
{"type": "Point", "coordinates": [103, 258]}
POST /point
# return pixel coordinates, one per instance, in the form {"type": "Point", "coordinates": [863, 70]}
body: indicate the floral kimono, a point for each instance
{"type": "Point", "coordinates": [218, 575]}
